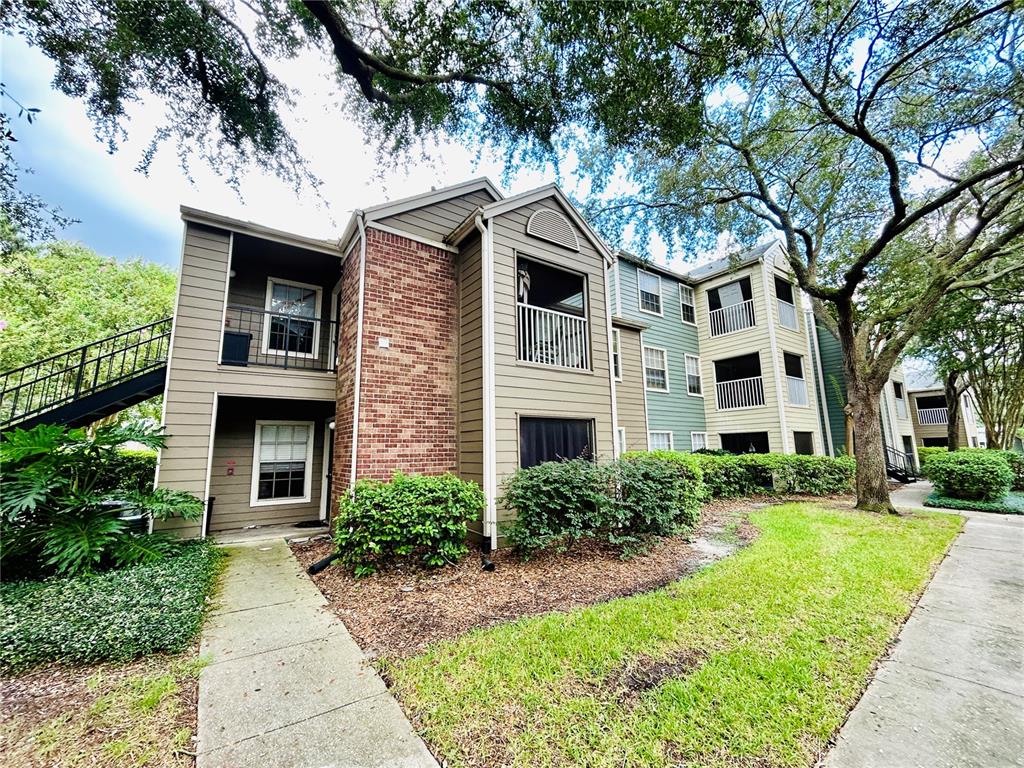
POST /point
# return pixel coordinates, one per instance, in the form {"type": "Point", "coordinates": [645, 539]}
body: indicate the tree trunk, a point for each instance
{"type": "Point", "coordinates": [952, 412]}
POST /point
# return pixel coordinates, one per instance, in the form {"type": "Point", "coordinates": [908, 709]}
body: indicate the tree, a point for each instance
{"type": "Point", "coordinates": [975, 339]}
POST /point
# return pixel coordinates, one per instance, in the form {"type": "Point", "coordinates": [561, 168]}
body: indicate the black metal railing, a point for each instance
{"type": "Point", "coordinates": [54, 381]}
{"type": "Point", "coordinates": [900, 463]}
{"type": "Point", "coordinates": [262, 337]}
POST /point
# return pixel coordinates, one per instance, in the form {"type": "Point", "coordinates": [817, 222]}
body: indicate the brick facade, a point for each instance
{"type": "Point", "coordinates": [407, 417]}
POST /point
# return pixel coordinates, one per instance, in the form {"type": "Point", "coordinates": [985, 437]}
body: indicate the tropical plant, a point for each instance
{"type": "Point", "coordinates": [61, 511]}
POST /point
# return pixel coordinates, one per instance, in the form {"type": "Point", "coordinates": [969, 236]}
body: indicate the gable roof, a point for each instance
{"type": "Point", "coordinates": [650, 266]}
{"type": "Point", "coordinates": [728, 263]}
{"type": "Point", "coordinates": [210, 219]}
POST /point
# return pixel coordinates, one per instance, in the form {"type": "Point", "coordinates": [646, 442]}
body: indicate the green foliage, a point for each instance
{"type": "Point", "coordinates": [971, 475]}
{"type": "Point", "coordinates": [926, 452]}
{"type": "Point", "coordinates": [130, 470]}
{"type": "Point", "coordinates": [1011, 504]}
{"type": "Point", "coordinates": [1016, 463]}
{"type": "Point", "coordinates": [729, 476]}
{"type": "Point", "coordinates": [626, 503]}
{"type": "Point", "coordinates": [56, 484]}
{"type": "Point", "coordinates": [114, 616]}
{"type": "Point", "coordinates": [725, 477]}
{"type": "Point", "coordinates": [412, 516]}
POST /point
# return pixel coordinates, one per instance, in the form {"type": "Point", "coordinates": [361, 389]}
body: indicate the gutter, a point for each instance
{"type": "Point", "coordinates": [361, 223]}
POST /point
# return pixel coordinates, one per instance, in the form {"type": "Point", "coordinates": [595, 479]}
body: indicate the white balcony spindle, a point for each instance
{"type": "Point", "coordinates": [932, 415]}
{"type": "Point", "coordinates": [549, 337]}
{"type": "Point", "coordinates": [739, 393]}
{"type": "Point", "coordinates": [733, 318]}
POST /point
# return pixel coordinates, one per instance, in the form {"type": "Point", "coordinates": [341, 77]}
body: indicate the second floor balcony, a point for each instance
{"type": "Point", "coordinates": [732, 318]}
{"type": "Point", "coordinates": [259, 337]}
{"type": "Point", "coordinates": [932, 416]}
{"type": "Point", "coordinates": [551, 316]}
{"type": "Point", "coordinates": [738, 382]}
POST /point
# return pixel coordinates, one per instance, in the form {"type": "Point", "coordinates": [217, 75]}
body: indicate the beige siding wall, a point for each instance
{"type": "Point", "coordinates": [629, 392]}
{"type": "Point", "coordinates": [922, 431]}
{"type": "Point", "coordinates": [233, 447]}
{"type": "Point", "coordinates": [437, 220]}
{"type": "Point", "coordinates": [195, 375]}
{"type": "Point", "coordinates": [531, 390]}
{"type": "Point", "coordinates": [470, 418]}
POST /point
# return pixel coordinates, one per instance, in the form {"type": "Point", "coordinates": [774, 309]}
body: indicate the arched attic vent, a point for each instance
{"type": "Point", "coordinates": [552, 226]}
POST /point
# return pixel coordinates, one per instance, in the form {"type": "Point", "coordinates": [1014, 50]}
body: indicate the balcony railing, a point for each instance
{"type": "Point", "coordinates": [787, 315]}
{"type": "Point", "coordinates": [733, 318]}
{"type": "Point", "coordinates": [932, 415]}
{"type": "Point", "coordinates": [739, 393]}
{"type": "Point", "coordinates": [549, 337]}
{"type": "Point", "coordinates": [260, 337]}
{"type": "Point", "coordinates": [797, 390]}
{"type": "Point", "coordinates": [901, 408]}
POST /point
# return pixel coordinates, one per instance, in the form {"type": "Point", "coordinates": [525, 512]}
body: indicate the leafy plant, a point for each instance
{"type": "Point", "coordinates": [970, 475]}
{"type": "Point", "coordinates": [59, 505]}
{"type": "Point", "coordinates": [115, 616]}
{"type": "Point", "coordinates": [1012, 504]}
{"type": "Point", "coordinates": [417, 516]}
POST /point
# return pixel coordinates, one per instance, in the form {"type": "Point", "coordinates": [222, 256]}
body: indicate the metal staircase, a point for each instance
{"type": "Point", "coordinates": [899, 465]}
{"type": "Point", "coordinates": [85, 384]}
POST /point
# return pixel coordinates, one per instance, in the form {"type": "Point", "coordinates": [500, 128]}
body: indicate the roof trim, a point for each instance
{"type": "Point", "coordinates": [542, 193]}
{"type": "Point", "coordinates": [732, 263]}
{"type": "Point", "coordinates": [650, 266]}
{"type": "Point", "coordinates": [622, 322]}
{"type": "Point", "coordinates": [210, 219]}
{"type": "Point", "coordinates": [395, 207]}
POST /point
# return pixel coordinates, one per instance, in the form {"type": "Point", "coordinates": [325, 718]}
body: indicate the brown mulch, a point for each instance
{"type": "Point", "coordinates": [399, 611]}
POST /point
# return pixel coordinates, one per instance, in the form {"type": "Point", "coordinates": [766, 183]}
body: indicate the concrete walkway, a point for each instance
{"type": "Point", "coordinates": [287, 686]}
{"type": "Point", "coordinates": [951, 695]}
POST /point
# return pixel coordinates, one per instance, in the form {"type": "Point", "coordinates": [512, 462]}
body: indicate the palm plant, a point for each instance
{"type": "Point", "coordinates": [56, 503]}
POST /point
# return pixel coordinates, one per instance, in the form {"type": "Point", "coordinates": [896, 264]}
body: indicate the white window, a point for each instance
{"type": "Point", "coordinates": [694, 385]}
{"type": "Point", "coordinates": [620, 436]}
{"type": "Point", "coordinates": [656, 369]}
{"type": "Point", "coordinates": [698, 441]}
{"type": "Point", "coordinates": [616, 355]}
{"type": "Point", "coordinates": [650, 292]}
{"type": "Point", "coordinates": [660, 441]}
{"type": "Point", "coordinates": [292, 322]}
{"type": "Point", "coordinates": [687, 305]}
{"type": "Point", "coordinates": [282, 462]}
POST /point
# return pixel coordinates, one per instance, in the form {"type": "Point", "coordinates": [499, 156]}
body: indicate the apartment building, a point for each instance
{"type": "Point", "coordinates": [930, 413]}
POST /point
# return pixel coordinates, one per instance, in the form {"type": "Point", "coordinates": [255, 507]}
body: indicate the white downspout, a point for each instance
{"type": "Point", "coordinates": [490, 521]}
{"type": "Point", "coordinates": [611, 366]}
{"type": "Point", "coordinates": [776, 362]}
{"type": "Point", "coordinates": [361, 222]}
{"type": "Point", "coordinates": [812, 331]}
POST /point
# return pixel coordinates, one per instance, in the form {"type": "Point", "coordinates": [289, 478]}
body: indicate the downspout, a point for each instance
{"type": "Point", "coordinates": [611, 366]}
{"type": "Point", "coordinates": [490, 521]}
{"type": "Point", "coordinates": [812, 332]}
{"type": "Point", "coordinates": [779, 394]}
{"type": "Point", "coordinates": [361, 223]}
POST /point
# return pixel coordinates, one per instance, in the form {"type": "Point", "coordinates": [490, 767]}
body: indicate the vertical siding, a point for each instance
{"type": "Point", "coordinates": [522, 389]}
{"type": "Point", "coordinates": [470, 379]}
{"type": "Point", "coordinates": [674, 411]}
{"type": "Point", "coordinates": [831, 352]}
{"type": "Point", "coordinates": [629, 393]}
{"type": "Point", "coordinates": [437, 220]}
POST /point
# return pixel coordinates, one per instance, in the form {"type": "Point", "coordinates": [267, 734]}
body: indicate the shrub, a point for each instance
{"type": "Point", "coordinates": [116, 616]}
{"type": "Point", "coordinates": [1013, 504]}
{"type": "Point", "coordinates": [131, 471]}
{"type": "Point", "coordinates": [658, 494]}
{"type": "Point", "coordinates": [417, 516]}
{"type": "Point", "coordinates": [1016, 463]}
{"type": "Point", "coordinates": [725, 477]}
{"type": "Point", "coordinates": [56, 482]}
{"type": "Point", "coordinates": [926, 452]}
{"type": "Point", "coordinates": [972, 475]}
{"type": "Point", "coordinates": [816, 475]}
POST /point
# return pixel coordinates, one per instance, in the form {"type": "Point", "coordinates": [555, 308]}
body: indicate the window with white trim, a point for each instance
{"type": "Point", "coordinates": [660, 441]}
{"type": "Point", "coordinates": [616, 355]}
{"type": "Point", "coordinates": [656, 369]}
{"type": "Point", "coordinates": [650, 291]}
{"type": "Point", "coordinates": [293, 313]}
{"type": "Point", "coordinates": [282, 462]}
{"type": "Point", "coordinates": [620, 435]}
{"type": "Point", "coordinates": [687, 304]}
{"type": "Point", "coordinates": [698, 441]}
{"type": "Point", "coordinates": [694, 385]}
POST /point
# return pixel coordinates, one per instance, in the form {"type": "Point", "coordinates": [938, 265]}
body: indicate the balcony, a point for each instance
{"type": "Point", "coordinates": [732, 318]}
{"type": "Point", "coordinates": [787, 315]}
{"type": "Point", "coordinates": [261, 337]}
{"type": "Point", "coordinates": [932, 416]}
{"type": "Point", "coordinates": [739, 393]}
{"type": "Point", "coordinates": [550, 337]}
{"type": "Point", "coordinates": [797, 390]}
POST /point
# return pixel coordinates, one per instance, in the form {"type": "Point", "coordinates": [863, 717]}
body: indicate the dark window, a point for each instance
{"type": "Point", "coordinates": [745, 442]}
{"type": "Point", "coordinates": [897, 389]}
{"type": "Point", "coordinates": [908, 446]}
{"type": "Point", "coordinates": [543, 440]}
{"type": "Point", "coordinates": [742, 367]}
{"type": "Point", "coordinates": [542, 286]}
{"type": "Point", "coordinates": [729, 294]}
{"type": "Point", "coordinates": [783, 290]}
{"type": "Point", "coordinates": [931, 401]}
{"type": "Point", "coordinates": [935, 442]}
{"type": "Point", "coordinates": [687, 304]}
{"type": "Point", "coordinates": [794, 365]}
{"type": "Point", "coordinates": [803, 442]}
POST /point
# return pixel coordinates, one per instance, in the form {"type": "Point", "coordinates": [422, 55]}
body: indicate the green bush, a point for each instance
{"type": "Point", "coordinates": [1013, 504]}
{"type": "Point", "coordinates": [926, 452]}
{"type": "Point", "coordinates": [131, 471]}
{"type": "Point", "coordinates": [970, 475]}
{"type": "Point", "coordinates": [417, 516]}
{"type": "Point", "coordinates": [658, 494]}
{"type": "Point", "coordinates": [731, 476]}
{"type": "Point", "coordinates": [725, 477]}
{"type": "Point", "coordinates": [114, 616]}
{"type": "Point", "coordinates": [1016, 464]}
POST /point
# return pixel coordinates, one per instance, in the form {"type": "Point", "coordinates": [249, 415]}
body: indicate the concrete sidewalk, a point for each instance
{"type": "Point", "coordinates": [287, 686]}
{"type": "Point", "coordinates": [951, 695]}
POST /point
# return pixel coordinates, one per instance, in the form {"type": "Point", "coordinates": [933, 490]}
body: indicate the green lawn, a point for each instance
{"type": "Point", "coordinates": [780, 639]}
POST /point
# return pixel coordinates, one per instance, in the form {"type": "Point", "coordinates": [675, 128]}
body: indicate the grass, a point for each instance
{"type": "Point", "coordinates": [780, 640]}
{"type": "Point", "coordinates": [1011, 504]}
{"type": "Point", "coordinates": [122, 716]}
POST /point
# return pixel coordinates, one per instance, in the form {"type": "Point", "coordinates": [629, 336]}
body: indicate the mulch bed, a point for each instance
{"type": "Point", "coordinates": [399, 611]}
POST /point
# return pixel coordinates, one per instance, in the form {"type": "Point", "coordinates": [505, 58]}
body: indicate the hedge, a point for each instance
{"type": "Point", "coordinates": [731, 476]}
{"type": "Point", "coordinates": [130, 471]}
{"type": "Point", "coordinates": [980, 475]}
{"type": "Point", "coordinates": [1013, 504]}
{"type": "Point", "coordinates": [114, 616]}
{"type": "Point", "coordinates": [418, 516]}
